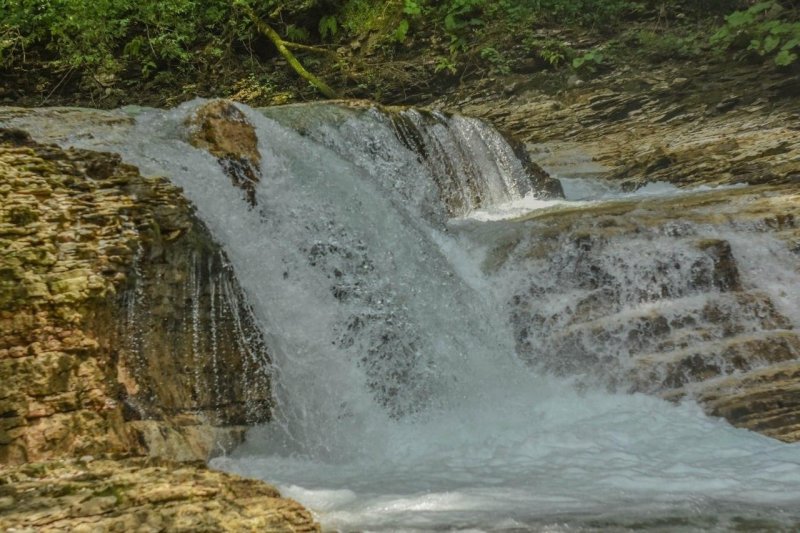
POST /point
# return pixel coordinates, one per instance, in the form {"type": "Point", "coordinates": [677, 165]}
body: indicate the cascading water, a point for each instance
{"type": "Point", "coordinates": [414, 390]}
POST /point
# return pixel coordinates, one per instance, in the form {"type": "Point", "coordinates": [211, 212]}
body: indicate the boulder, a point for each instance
{"type": "Point", "coordinates": [224, 131]}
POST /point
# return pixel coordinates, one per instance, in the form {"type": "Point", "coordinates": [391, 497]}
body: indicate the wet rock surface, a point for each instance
{"type": "Point", "coordinates": [682, 317]}
{"type": "Point", "coordinates": [119, 314]}
{"type": "Point", "coordinates": [137, 494]}
{"type": "Point", "coordinates": [122, 331]}
{"type": "Point", "coordinates": [687, 125]}
{"type": "Point", "coordinates": [222, 129]}
{"type": "Point", "coordinates": [447, 145]}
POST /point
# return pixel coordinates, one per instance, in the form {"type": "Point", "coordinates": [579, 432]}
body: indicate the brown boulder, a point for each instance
{"type": "Point", "coordinates": [224, 131]}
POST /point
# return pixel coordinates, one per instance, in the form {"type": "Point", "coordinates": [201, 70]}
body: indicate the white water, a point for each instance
{"type": "Point", "coordinates": [402, 404]}
{"type": "Point", "coordinates": [581, 191]}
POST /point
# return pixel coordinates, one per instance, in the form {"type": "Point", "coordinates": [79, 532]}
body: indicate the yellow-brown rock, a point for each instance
{"type": "Point", "coordinates": [122, 331]}
{"type": "Point", "coordinates": [108, 284]}
{"type": "Point", "coordinates": [766, 400]}
{"type": "Point", "coordinates": [223, 130]}
{"type": "Point", "coordinates": [138, 494]}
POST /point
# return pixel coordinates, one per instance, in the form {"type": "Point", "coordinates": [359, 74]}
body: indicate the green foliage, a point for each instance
{"type": "Point", "coordinates": [553, 52]}
{"type": "Point", "coordinates": [766, 29]}
{"type": "Point", "coordinates": [412, 9]}
{"type": "Point", "coordinates": [106, 35]}
{"type": "Point", "coordinates": [156, 40]}
{"type": "Point", "coordinates": [296, 33]}
{"type": "Point", "coordinates": [328, 27]}
{"type": "Point", "coordinates": [401, 32]}
{"type": "Point", "coordinates": [500, 64]}
{"type": "Point", "coordinates": [445, 63]}
{"type": "Point", "coordinates": [661, 46]}
{"type": "Point", "coordinates": [590, 62]}
{"type": "Point", "coordinates": [359, 17]}
{"type": "Point", "coordinates": [462, 14]}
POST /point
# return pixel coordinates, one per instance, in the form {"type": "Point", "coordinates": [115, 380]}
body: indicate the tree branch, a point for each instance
{"type": "Point", "coordinates": [311, 49]}
{"type": "Point", "coordinates": [283, 48]}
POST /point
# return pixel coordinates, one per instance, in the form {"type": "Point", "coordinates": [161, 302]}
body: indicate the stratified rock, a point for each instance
{"type": "Point", "coordinates": [438, 141]}
{"type": "Point", "coordinates": [222, 129]}
{"type": "Point", "coordinates": [766, 400]}
{"type": "Point", "coordinates": [122, 326]}
{"type": "Point", "coordinates": [680, 124]}
{"type": "Point", "coordinates": [677, 318]}
{"type": "Point", "coordinates": [141, 495]}
{"type": "Point", "coordinates": [122, 330]}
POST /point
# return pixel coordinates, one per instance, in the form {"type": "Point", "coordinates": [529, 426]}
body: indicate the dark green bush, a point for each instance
{"type": "Point", "coordinates": [767, 29]}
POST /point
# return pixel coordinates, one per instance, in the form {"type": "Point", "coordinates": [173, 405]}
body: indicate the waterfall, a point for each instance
{"type": "Point", "coordinates": [425, 356]}
{"type": "Point", "coordinates": [449, 165]}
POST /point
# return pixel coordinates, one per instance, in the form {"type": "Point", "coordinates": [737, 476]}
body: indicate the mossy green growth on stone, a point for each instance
{"type": "Point", "coordinates": [22, 215]}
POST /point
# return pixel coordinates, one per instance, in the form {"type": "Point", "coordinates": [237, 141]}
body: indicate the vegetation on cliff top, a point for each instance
{"type": "Point", "coordinates": [108, 49]}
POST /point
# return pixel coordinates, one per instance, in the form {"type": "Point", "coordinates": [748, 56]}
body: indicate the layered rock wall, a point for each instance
{"type": "Point", "coordinates": [628, 296]}
{"type": "Point", "coordinates": [123, 328]}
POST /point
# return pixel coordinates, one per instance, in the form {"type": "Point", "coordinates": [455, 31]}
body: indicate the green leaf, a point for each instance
{"type": "Point", "coordinates": [763, 6]}
{"type": "Point", "coordinates": [755, 44]}
{"type": "Point", "coordinates": [328, 27]}
{"type": "Point", "coordinates": [785, 58]}
{"type": "Point", "coordinates": [411, 7]}
{"type": "Point", "coordinates": [721, 35]}
{"type": "Point", "coordinates": [738, 19]}
{"type": "Point", "coordinates": [450, 23]}
{"type": "Point", "coordinates": [771, 42]}
{"type": "Point", "coordinates": [788, 45]}
{"type": "Point", "coordinates": [401, 32]}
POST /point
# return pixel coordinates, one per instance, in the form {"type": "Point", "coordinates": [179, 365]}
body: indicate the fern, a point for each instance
{"type": "Point", "coordinates": [328, 27]}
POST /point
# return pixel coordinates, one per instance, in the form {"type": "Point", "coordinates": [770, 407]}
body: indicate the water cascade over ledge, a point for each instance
{"type": "Point", "coordinates": [437, 365]}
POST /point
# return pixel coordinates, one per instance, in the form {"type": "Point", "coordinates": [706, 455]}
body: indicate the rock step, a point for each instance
{"type": "Point", "coordinates": [712, 307]}
{"type": "Point", "coordinates": [137, 494]}
{"type": "Point", "coordinates": [704, 361]}
{"type": "Point", "coordinates": [766, 400]}
{"type": "Point", "coordinates": [668, 325]}
{"type": "Point", "coordinates": [673, 277]}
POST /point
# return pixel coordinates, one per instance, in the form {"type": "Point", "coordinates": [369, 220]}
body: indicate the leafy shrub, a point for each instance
{"type": "Point", "coordinates": [500, 64]}
{"type": "Point", "coordinates": [589, 63]}
{"type": "Point", "coordinates": [552, 51]}
{"type": "Point", "coordinates": [328, 27]}
{"type": "Point", "coordinates": [660, 46]}
{"type": "Point", "coordinates": [765, 29]}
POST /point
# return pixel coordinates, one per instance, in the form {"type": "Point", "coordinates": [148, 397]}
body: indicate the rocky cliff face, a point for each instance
{"type": "Point", "coordinates": [123, 332]}
{"type": "Point", "coordinates": [123, 327]}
